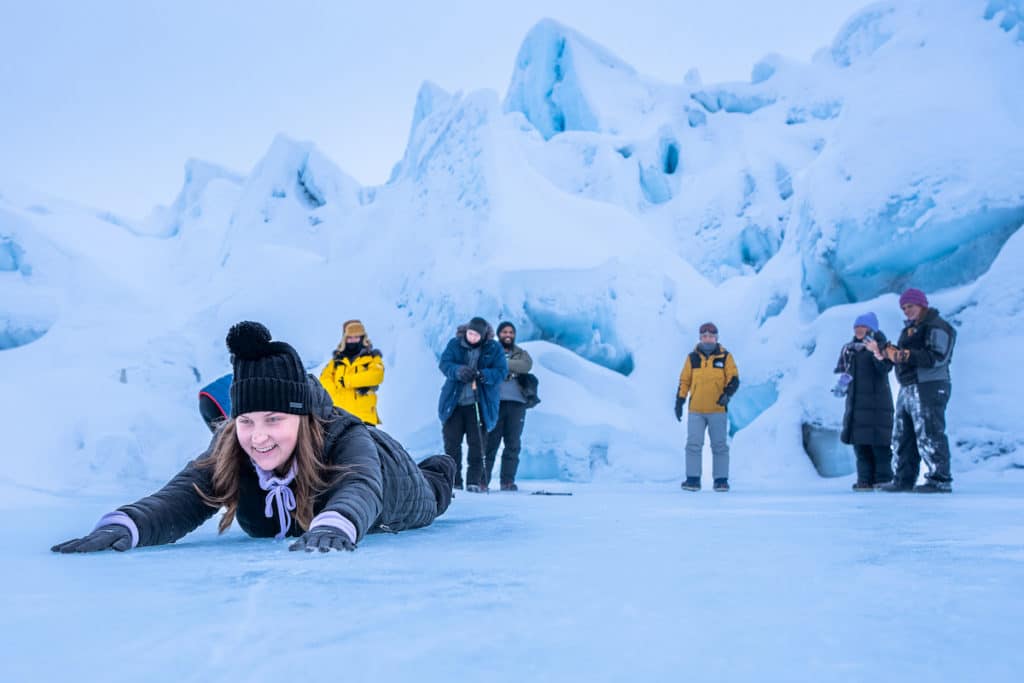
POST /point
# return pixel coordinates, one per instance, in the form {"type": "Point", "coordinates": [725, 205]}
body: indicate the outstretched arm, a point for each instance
{"type": "Point", "coordinates": [163, 517]}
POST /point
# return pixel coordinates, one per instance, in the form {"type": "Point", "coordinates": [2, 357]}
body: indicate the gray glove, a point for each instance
{"type": "Point", "coordinates": [109, 537]}
{"type": "Point", "coordinates": [324, 539]}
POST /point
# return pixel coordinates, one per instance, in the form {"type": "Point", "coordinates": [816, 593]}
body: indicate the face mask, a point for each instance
{"type": "Point", "coordinates": [352, 348]}
{"type": "Point", "coordinates": [707, 347]}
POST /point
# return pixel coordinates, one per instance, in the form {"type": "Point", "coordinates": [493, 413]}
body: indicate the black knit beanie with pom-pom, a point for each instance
{"type": "Point", "coordinates": [268, 374]}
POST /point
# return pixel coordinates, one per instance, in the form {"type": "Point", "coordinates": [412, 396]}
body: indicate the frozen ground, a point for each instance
{"type": "Point", "coordinates": [618, 582]}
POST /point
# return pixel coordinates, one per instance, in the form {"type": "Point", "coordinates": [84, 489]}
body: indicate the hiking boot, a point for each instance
{"type": "Point", "coordinates": [457, 485]}
{"type": "Point", "coordinates": [879, 484]}
{"type": "Point", "coordinates": [893, 487]}
{"type": "Point", "coordinates": [721, 485]}
{"type": "Point", "coordinates": [932, 486]}
{"type": "Point", "coordinates": [476, 488]}
{"type": "Point", "coordinates": [508, 486]}
{"type": "Point", "coordinates": [691, 484]}
{"type": "Point", "coordinates": [863, 486]}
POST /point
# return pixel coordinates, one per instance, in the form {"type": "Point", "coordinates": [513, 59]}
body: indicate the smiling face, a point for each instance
{"type": "Point", "coordinates": [268, 438]}
{"type": "Point", "coordinates": [507, 336]}
{"type": "Point", "coordinates": [912, 311]}
{"type": "Point", "coordinates": [472, 336]}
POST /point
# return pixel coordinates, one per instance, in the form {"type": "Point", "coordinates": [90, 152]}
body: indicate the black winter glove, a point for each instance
{"type": "Point", "coordinates": [111, 536]}
{"type": "Point", "coordinates": [324, 539]}
{"type": "Point", "coordinates": [465, 374]}
{"type": "Point", "coordinates": [680, 400]}
{"type": "Point", "coordinates": [480, 379]}
{"type": "Point", "coordinates": [723, 400]}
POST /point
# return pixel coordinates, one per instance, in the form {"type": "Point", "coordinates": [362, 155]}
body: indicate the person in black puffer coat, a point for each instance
{"type": "Point", "coordinates": [287, 463]}
{"type": "Point", "coordinates": [867, 421]}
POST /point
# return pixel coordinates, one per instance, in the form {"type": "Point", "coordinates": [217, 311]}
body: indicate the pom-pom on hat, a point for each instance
{"type": "Point", "coordinates": [268, 375]}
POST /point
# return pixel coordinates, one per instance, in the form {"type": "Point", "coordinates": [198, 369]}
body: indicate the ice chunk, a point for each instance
{"type": "Point", "coordinates": [18, 330]}
{"type": "Point", "coordinates": [758, 244]}
{"type": "Point", "coordinates": [582, 323]}
{"type": "Point", "coordinates": [783, 182]}
{"type": "Point", "coordinates": [736, 100]}
{"type": "Point", "coordinates": [749, 402]}
{"type": "Point", "coordinates": [559, 78]}
{"type": "Point", "coordinates": [831, 457]}
{"type": "Point", "coordinates": [901, 245]}
{"type": "Point", "coordinates": [655, 186]}
{"type": "Point", "coordinates": [821, 110]}
{"type": "Point", "coordinates": [862, 35]}
{"type": "Point", "coordinates": [669, 156]}
{"type": "Point", "coordinates": [430, 98]}
{"type": "Point", "coordinates": [1010, 14]}
{"type": "Point", "coordinates": [761, 72]}
{"type": "Point", "coordinates": [695, 117]}
{"type": "Point", "coordinates": [12, 256]}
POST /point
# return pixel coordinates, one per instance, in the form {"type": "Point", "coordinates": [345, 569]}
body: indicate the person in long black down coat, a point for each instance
{"type": "Point", "coordinates": [287, 463]}
{"type": "Point", "coordinates": [868, 419]}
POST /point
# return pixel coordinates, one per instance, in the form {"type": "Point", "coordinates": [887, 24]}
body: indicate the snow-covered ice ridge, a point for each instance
{"type": "Point", "coordinates": [606, 214]}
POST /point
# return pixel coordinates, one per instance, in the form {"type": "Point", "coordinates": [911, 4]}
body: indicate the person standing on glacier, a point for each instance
{"type": "Point", "coordinates": [711, 378]}
{"type": "Point", "coordinates": [867, 421]}
{"type": "Point", "coordinates": [474, 367]}
{"type": "Point", "coordinates": [922, 357]}
{"type": "Point", "coordinates": [354, 374]}
{"type": "Point", "coordinates": [511, 412]}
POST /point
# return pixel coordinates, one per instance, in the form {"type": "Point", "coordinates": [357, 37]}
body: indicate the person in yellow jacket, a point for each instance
{"type": "Point", "coordinates": [355, 372]}
{"type": "Point", "coordinates": [710, 378]}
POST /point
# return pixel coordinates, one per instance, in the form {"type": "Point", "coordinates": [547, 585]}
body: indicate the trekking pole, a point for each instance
{"type": "Point", "coordinates": [480, 436]}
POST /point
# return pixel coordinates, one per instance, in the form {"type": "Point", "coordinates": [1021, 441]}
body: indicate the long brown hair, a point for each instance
{"type": "Point", "coordinates": [227, 458]}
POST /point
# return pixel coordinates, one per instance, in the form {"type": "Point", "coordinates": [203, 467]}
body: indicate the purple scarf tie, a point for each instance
{"type": "Point", "coordinates": [279, 492]}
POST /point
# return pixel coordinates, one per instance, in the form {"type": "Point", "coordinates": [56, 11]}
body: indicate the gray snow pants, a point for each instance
{"type": "Point", "coordinates": [717, 426]}
{"type": "Point", "coordinates": [919, 433]}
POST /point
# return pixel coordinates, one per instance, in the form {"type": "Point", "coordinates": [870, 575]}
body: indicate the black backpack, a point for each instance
{"type": "Point", "coordinates": [528, 384]}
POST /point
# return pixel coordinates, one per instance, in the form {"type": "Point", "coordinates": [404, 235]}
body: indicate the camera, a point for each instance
{"type": "Point", "coordinates": [880, 339]}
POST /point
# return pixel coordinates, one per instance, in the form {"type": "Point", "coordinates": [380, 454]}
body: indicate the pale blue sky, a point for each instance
{"type": "Point", "coordinates": [102, 102]}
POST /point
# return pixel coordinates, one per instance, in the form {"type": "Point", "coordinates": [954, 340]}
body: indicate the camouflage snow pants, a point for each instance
{"type": "Point", "coordinates": [919, 433]}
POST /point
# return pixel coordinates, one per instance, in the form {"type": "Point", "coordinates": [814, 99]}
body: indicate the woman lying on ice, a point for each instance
{"type": "Point", "coordinates": [287, 463]}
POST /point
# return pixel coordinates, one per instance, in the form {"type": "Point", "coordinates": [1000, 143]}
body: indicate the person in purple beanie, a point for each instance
{"type": "Point", "coordinates": [286, 463]}
{"type": "Point", "coordinates": [922, 357]}
{"type": "Point", "coordinates": [867, 421]}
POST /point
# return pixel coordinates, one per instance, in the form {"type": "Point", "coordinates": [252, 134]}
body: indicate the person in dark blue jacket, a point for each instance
{"type": "Point", "coordinates": [215, 402]}
{"type": "Point", "coordinates": [474, 367]}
